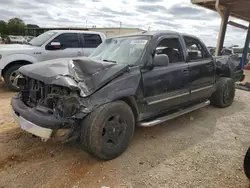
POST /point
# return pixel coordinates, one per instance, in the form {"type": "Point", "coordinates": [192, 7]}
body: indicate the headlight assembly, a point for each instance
{"type": "Point", "coordinates": [69, 106]}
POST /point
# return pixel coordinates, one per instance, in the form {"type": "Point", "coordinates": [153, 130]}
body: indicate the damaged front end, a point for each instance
{"type": "Point", "coordinates": [43, 109]}
{"type": "Point", "coordinates": [56, 95]}
{"type": "Point", "coordinates": [230, 66]}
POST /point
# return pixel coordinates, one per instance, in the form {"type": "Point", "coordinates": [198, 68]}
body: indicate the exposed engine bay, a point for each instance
{"type": "Point", "coordinates": [51, 99]}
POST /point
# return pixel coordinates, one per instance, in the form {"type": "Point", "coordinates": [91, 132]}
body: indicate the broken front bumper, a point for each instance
{"type": "Point", "coordinates": [32, 128]}
{"type": "Point", "coordinates": [37, 122]}
{"type": "Point", "coordinates": [37, 115]}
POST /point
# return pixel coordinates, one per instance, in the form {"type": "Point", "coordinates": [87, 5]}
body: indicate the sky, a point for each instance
{"type": "Point", "coordinates": [177, 15]}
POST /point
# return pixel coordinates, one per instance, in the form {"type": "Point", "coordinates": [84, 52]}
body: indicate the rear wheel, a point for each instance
{"type": "Point", "coordinates": [224, 94]}
{"type": "Point", "coordinates": [10, 76]}
{"type": "Point", "coordinates": [107, 131]}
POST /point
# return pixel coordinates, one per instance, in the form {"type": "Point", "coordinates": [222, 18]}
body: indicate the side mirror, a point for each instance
{"type": "Point", "coordinates": [54, 46]}
{"type": "Point", "coordinates": [161, 60]}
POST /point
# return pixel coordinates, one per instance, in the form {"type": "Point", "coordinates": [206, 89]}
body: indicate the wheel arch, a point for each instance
{"type": "Point", "coordinates": [18, 62]}
{"type": "Point", "coordinates": [131, 102]}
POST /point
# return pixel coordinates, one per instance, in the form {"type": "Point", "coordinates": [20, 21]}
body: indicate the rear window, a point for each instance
{"type": "Point", "coordinates": [91, 40]}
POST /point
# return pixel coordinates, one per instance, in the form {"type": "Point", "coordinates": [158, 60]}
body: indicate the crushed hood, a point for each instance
{"type": "Point", "coordinates": [80, 73]}
{"type": "Point", "coordinates": [232, 62]}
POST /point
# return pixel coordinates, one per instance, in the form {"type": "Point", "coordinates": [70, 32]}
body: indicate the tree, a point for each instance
{"type": "Point", "coordinates": [3, 28]}
{"type": "Point", "coordinates": [16, 26]}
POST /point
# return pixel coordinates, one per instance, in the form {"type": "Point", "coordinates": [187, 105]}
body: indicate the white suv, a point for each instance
{"type": "Point", "coordinates": [49, 45]}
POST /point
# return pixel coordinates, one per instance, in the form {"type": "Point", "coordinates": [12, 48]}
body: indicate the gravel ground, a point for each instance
{"type": "Point", "coordinates": [202, 149]}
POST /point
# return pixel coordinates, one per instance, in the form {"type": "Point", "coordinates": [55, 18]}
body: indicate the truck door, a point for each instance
{"type": "Point", "coordinates": [69, 47]}
{"type": "Point", "coordinates": [89, 42]}
{"type": "Point", "coordinates": [201, 68]}
{"type": "Point", "coordinates": [166, 87]}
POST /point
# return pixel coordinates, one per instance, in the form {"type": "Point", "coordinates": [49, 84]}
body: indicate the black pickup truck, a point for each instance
{"type": "Point", "coordinates": [142, 79]}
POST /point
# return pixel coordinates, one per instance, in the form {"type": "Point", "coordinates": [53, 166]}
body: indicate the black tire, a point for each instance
{"type": "Point", "coordinates": [7, 77]}
{"type": "Point", "coordinates": [224, 94]}
{"type": "Point", "coordinates": [108, 130]}
{"type": "Point", "coordinates": [247, 164]}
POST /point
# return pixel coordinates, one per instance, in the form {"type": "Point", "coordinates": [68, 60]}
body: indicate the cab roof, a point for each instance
{"type": "Point", "coordinates": [156, 34]}
{"type": "Point", "coordinates": [75, 31]}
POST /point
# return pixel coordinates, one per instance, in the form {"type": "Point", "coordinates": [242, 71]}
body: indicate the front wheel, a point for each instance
{"type": "Point", "coordinates": [108, 130]}
{"type": "Point", "coordinates": [224, 94]}
{"type": "Point", "coordinates": [10, 77]}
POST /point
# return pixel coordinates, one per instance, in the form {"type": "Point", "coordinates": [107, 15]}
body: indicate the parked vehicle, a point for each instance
{"type": "Point", "coordinates": [28, 38]}
{"type": "Point", "coordinates": [144, 79]}
{"type": "Point", "coordinates": [230, 51]}
{"type": "Point", "coordinates": [239, 52]}
{"type": "Point", "coordinates": [49, 45]}
{"type": "Point", "coordinates": [15, 40]}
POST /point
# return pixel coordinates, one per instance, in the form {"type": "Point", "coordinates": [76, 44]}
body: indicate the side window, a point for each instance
{"type": "Point", "coordinates": [170, 47]}
{"type": "Point", "coordinates": [67, 40]}
{"type": "Point", "coordinates": [195, 49]}
{"type": "Point", "coordinates": [91, 40]}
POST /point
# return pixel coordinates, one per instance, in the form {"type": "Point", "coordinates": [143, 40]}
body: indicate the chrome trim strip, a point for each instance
{"type": "Point", "coordinates": [168, 98]}
{"type": "Point", "coordinates": [174, 115]}
{"type": "Point", "coordinates": [203, 88]}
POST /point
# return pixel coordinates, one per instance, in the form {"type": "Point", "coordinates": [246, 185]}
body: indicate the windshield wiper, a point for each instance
{"type": "Point", "coordinates": [109, 61]}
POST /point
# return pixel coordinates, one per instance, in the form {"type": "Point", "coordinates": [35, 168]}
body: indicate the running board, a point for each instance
{"type": "Point", "coordinates": [174, 115]}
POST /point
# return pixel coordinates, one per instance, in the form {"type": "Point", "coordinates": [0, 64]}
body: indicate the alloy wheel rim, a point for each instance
{"type": "Point", "coordinates": [13, 77]}
{"type": "Point", "coordinates": [114, 130]}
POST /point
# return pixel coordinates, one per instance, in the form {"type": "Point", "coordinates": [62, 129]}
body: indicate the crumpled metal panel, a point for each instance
{"type": "Point", "coordinates": [228, 63]}
{"type": "Point", "coordinates": [81, 74]}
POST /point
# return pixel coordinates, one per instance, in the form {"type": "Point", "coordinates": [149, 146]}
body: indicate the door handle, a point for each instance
{"type": "Point", "coordinates": [79, 53]}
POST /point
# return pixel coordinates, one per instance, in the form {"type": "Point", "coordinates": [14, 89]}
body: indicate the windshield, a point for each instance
{"type": "Point", "coordinates": [122, 50]}
{"type": "Point", "coordinates": [41, 39]}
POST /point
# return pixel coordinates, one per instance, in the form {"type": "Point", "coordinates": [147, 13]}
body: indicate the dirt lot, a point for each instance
{"type": "Point", "coordinates": [202, 149]}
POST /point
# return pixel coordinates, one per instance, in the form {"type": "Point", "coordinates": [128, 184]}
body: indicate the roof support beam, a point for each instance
{"type": "Point", "coordinates": [201, 1]}
{"type": "Point", "coordinates": [246, 47]}
{"type": "Point", "coordinates": [239, 6]}
{"type": "Point", "coordinates": [238, 25]}
{"type": "Point", "coordinates": [223, 27]}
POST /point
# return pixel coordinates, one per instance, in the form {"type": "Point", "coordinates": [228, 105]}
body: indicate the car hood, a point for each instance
{"type": "Point", "coordinates": [81, 74]}
{"type": "Point", "coordinates": [16, 47]}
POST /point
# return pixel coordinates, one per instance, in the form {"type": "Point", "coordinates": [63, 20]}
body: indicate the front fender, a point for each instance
{"type": "Point", "coordinates": [16, 57]}
{"type": "Point", "coordinates": [126, 85]}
